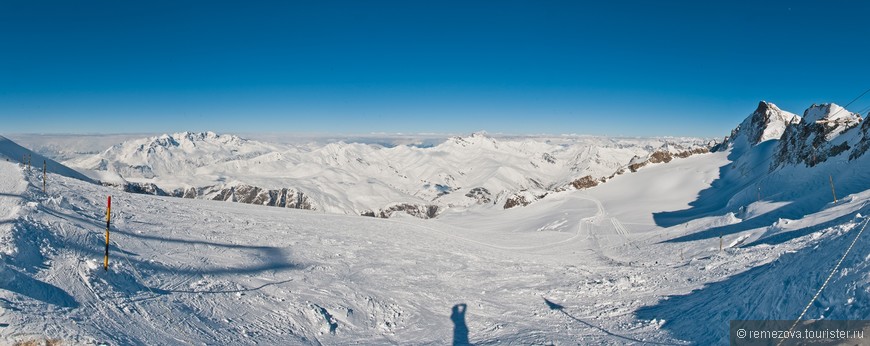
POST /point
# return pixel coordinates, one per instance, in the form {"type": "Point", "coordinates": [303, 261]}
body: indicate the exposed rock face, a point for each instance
{"type": "Point", "coordinates": [655, 157]}
{"type": "Point", "coordinates": [189, 192]}
{"type": "Point", "coordinates": [522, 198]}
{"type": "Point", "coordinates": [687, 153]}
{"type": "Point", "coordinates": [421, 211]}
{"type": "Point", "coordinates": [548, 158]}
{"type": "Point", "coordinates": [862, 146]}
{"type": "Point", "coordinates": [141, 188]}
{"type": "Point", "coordinates": [480, 194]}
{"type": "Point", "coordinates": [284, 198]}
{"type": "Point", "coordinates": [817, 137]}
{"type": "Point", "coordinates": [662, 156]}
{"type": "Point", "coordinates": [585, 182]}
{"type": "Point", "coordinates": [144, 188]}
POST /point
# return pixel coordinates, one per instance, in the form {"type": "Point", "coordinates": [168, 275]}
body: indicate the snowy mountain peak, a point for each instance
{"type": "Point", "coordinates": [767, 122]}
{"type": "Point", "coordinates": [826, 131]}
{"type": "Point", "coordinates": [475, 139]}
{"type": "Point", "coordinates": [207, 136]}
{"type": "Point", "coordinates": [172, 154]}
{"type": "Point", "coordinates": [187, 139]}
{"type": "Point", "coordinates": [832, 118]}
{"type": "Point", "coordinates": [830, 113]}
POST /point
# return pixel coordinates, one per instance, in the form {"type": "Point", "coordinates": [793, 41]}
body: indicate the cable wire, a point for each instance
{"type": "Point", "coordinates": [819, 292]}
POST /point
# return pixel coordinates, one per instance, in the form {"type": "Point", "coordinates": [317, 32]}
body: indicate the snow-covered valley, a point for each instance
{"type": "Point", "coordinates": [657, 252]}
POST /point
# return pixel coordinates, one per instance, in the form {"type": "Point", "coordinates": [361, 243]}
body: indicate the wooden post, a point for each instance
{"type": "Point", "coordinates": [108, 219]}
{"type": "Point", "coordinates": [832, 188]}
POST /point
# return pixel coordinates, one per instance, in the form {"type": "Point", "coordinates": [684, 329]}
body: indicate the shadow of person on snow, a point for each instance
{"type": "Point", "coordinates": [460, 329]}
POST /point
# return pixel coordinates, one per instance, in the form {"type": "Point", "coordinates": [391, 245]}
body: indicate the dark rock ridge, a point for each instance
{"type": "Point", "coordinates": [421, 211]}
{"type": "Point", "coordinates": [661, 156]}
{"type": "Point", "coordinates": [482, 195]}
{"type": "Point", "coordinates": [862, 146]}
{"type": "Point", "coordinates": [523, 198]}
{"type": "Point", "coordinates": [283, 198]}
{"type": "Point", "coordinates": [586, 182]}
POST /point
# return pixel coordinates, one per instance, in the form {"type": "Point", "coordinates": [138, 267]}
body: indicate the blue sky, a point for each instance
{"type": "Point", "coordinates": [632, 68]}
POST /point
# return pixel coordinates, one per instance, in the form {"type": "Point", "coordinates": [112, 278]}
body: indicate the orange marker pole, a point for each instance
{"type": "Point", "coordinates": [108, 218]}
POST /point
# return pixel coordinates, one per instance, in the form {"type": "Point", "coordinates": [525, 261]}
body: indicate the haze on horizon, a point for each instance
{"type": "Point", "coordinates": [627, 68]}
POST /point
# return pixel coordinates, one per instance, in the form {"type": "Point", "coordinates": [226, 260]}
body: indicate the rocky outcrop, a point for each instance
{"type": "Point", "coordinates": [283, 198]}
{"type": "Point", "coordinates": [140, 188]}
{"type": "Point", "coordinates": [662, 156]}
{"type": "Point", "coordinates": [523, 198]}
{"type": "Point", "coordinates": [586, 182]}
{"type": "Point", "coordinates": [656, 157]}
{"type": "Point", "coordinates": [548, 158]}
{"type": "Point", "coordinates": [482, 195]}
{"type": "Point", "coordinates": [687, 153]}
{"type": "Point", "coordinates": [416, 210]}
{"type": "Point", "coordinates": [144, 188]}
{"type": "Point", "coordinates": [861, 147]}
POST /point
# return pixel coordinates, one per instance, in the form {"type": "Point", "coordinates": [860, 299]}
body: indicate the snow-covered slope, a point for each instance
{"type": "Point", "coordinates": [12, 152]}
{"type": "Point", "coordinates": [356, 178]}
{"type": "Point", "coordinates": [67, 147]}
{"type": "Point", "coordinates": [802, 199]}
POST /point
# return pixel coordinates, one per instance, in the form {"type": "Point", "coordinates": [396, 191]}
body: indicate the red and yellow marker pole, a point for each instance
{"type": "Point", "coordinates": [108, 219]}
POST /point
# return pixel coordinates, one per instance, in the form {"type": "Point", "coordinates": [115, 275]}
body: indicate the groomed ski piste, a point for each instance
{"type": "Point", "coordinates": [636, 260]}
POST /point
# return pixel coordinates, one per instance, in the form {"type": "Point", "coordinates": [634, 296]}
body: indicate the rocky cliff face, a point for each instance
{"type": "Point", "coordinates": [586, 182]}
{"type": "Point", "coordinates": [283, 198]}
{"type": "Point", "coordinates": [480, 194]}
{"type": "Point", "coordinates": [825, 131]}
{"type": "Point", "coordinates": [663, 157]}
{"type": "Point", "coordinates": [523, 198]}
{"type": "Point", "coordinates": [416, 210]}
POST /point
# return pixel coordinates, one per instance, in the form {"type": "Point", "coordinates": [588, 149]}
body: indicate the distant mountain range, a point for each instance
{"type": "Point", "coordinates": [367, 179]}
{"type": "Point", "coordinates": [474, 171]}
